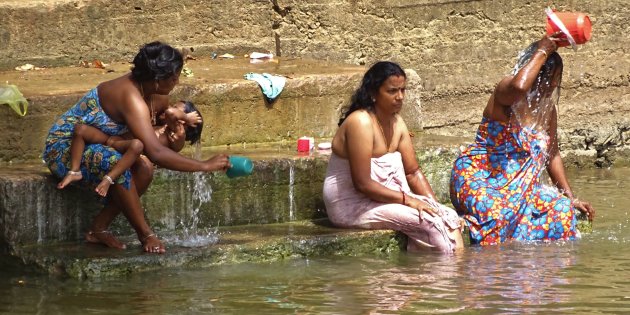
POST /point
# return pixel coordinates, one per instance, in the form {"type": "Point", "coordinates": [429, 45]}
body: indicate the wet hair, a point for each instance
{"type": "Point", "coordinates": [193, 134]}
{"type": "Point", "coordinates": [372, 81]}
{"type": "Point", "coordinates": [550, 70]}
{"type": "Point", "coordinates": [544, 92]}
{"type": "Point", "coordinates": [156, 61]}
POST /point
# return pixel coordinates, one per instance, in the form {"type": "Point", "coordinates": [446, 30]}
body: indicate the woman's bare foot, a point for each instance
{"type": "Point", "coordinates": [102, 188]}
{"type": "Point", "coordinates": [152, 244]}
{"type": "Point", "coordinates": [105, 238]}
{"type": "Point", "coordinates": [72, 176]}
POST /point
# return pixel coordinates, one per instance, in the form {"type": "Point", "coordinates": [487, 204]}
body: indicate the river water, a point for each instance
{"type": "Point", "coordinates": [588, 276]}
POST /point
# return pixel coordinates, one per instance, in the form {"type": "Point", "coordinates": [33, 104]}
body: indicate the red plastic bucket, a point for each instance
{"type": "Point", "coordinates": [578, 25]}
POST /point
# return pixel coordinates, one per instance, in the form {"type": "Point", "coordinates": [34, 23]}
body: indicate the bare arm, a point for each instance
{"type": "Point", "coordinates": [556, 167]}
{"type": "Point", "coordinates": [557, 172]}
{"type": "Point", "coordinates": [136, 113]}
{"type": "Point", "coordinates": [175, 116]}
{"type": "Point", "coordinates": [415, 178]}
{"type": "Point", "coordinates": [175, 131]}
{"type": "Point", "coordinates": [359, 145]}
{"type": "Point", "coordinates": [515, 87]}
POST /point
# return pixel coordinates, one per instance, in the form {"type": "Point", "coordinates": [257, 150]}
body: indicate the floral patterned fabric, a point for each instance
{"type": "Point", "coordinates": [97, 159]}
{"type": "Point", "coordinates": [496, 185]}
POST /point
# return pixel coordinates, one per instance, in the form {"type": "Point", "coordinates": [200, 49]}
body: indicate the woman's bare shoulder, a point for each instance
{"type": "Point", "coordinates": [359, 118]}
{"type": "Point", "coordinates": [118, 89]}
{"type": "Point", "coordinates": [399, 122]}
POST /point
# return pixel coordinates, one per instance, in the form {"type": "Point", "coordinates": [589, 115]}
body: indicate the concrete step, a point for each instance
{"type": "Point", "coordinates": [251, 243]}
{"type": "Point", "coordinates": [284, 187]}
{"type": "Point", "coordinates": [233, 108]}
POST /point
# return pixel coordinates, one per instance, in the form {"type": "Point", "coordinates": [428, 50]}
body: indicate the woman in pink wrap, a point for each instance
{"type": "Point", "coordinates": [373, 180]}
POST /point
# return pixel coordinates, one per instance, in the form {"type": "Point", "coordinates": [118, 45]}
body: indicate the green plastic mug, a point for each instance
{"type": "Point", "coordinates": [241, 166]}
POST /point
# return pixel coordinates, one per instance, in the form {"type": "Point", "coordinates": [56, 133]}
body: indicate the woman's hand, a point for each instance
{"type": "Point", "coordinates": [549, 42]}
{"type": "Point", "coordinates": [585, 208]}
{"type": "Point", "coordinates": [420, 206]}
{"type": "Point", "coordinates": [219, 162]}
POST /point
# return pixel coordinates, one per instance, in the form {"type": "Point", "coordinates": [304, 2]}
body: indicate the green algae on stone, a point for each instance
{"type": "Point", "coordinates": [436, 165]}
{"type": "Point", "coordinates": [255, 243]}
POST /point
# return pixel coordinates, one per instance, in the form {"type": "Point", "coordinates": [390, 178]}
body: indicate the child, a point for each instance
{"type": "Point", "coordinates": [183, 114]}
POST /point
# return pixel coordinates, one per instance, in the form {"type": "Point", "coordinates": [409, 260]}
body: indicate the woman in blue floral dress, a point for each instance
{"type": "Point", "coordinates": [496, 182]}
{"type": "Point", "coordinates": [115, 107]}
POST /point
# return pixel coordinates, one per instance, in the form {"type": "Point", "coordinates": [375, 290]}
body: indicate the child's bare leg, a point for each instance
{"type": "Point", "coordinates": [131, 150]}
{"type": "Point", "coordinates": [82, 134]}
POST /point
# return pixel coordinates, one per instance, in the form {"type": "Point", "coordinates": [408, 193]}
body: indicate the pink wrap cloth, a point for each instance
{"type": "Point", "coordinates": [348, 208]}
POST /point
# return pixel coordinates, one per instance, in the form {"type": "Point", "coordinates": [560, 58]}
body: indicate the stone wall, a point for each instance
{"type": "Point", "coordinates": [459, 49]}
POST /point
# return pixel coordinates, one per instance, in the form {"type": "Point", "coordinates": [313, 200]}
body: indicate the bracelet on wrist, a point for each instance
{"type": "Point", "coordinates": [109, 179]}
{"type": "Point", "coordinates": [544, 52]}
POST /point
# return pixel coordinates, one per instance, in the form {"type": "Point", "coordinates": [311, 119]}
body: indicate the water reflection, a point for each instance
{"type": "Point", "coordinates": [517, 277]}
{"type": "Point", "coordinates": [582, 277]}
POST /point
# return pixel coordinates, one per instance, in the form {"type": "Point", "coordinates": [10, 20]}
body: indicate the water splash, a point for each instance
{"type": "Point", "coordinates": [291, 189]}
{"type": "Point", "coordinates": [190, 235]}
{"type": "Point", "coordinates": [196, 154]}
{"type": "Point", "coordinates": [536, 112]}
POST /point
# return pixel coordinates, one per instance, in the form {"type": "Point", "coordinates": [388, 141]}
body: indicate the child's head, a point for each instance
{"type": "Point", "coordinates": [193, 134]}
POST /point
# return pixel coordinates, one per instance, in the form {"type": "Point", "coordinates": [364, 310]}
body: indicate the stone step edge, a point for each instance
{"type": "Point", "coordinates": [237, 244]}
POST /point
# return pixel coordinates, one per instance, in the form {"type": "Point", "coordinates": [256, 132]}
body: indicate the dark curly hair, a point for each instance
{"type": "Point", "coordinates": [193, 134]}
{"type": "Point", "coordinates": [156, 61]}
{"type": "Point", "coordinates": [372, 81]}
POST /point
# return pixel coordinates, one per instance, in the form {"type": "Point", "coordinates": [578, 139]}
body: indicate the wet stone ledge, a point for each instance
{"type": "Point", "coordinates": [281, 189]}
{"type": "Point", "coordinates": [251, 243]}
{"type": "Point", "coordinates": [33, 211]}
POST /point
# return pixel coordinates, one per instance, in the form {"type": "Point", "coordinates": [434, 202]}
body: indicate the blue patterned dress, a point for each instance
{"type": "Point", "coordinates": [496, 183]}
{"type": "Point", "coordinates": [97, 159]}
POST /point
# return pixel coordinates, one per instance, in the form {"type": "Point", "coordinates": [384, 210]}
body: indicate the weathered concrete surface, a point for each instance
{"type": "Point", "coordinates": [60, 32]}
{"type": "Point", "coordinates": [252, 243]}
{"type": "Point", "coordinates": [281, 189]}
{"type": "Point", "coordinates": [459, 50]}
{"type": "Point", "coordinates": [233, 108]}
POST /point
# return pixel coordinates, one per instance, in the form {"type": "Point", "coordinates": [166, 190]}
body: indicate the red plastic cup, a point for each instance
{"type": "Point", "coordinates": [578, 25]}
{"type": "Point", "coordinates": [303, 145]}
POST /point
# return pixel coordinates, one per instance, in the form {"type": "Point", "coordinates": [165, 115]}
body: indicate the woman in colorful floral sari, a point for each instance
{"type": "Point", "coordinates": [496, 182]}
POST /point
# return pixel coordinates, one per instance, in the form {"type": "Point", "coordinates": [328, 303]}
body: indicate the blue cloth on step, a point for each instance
{"type": "Point", "coordinates": [271, 85]}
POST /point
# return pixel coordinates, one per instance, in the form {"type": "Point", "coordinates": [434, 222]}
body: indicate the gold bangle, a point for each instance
{"type": "Point", "coordinates": [544, 52]}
